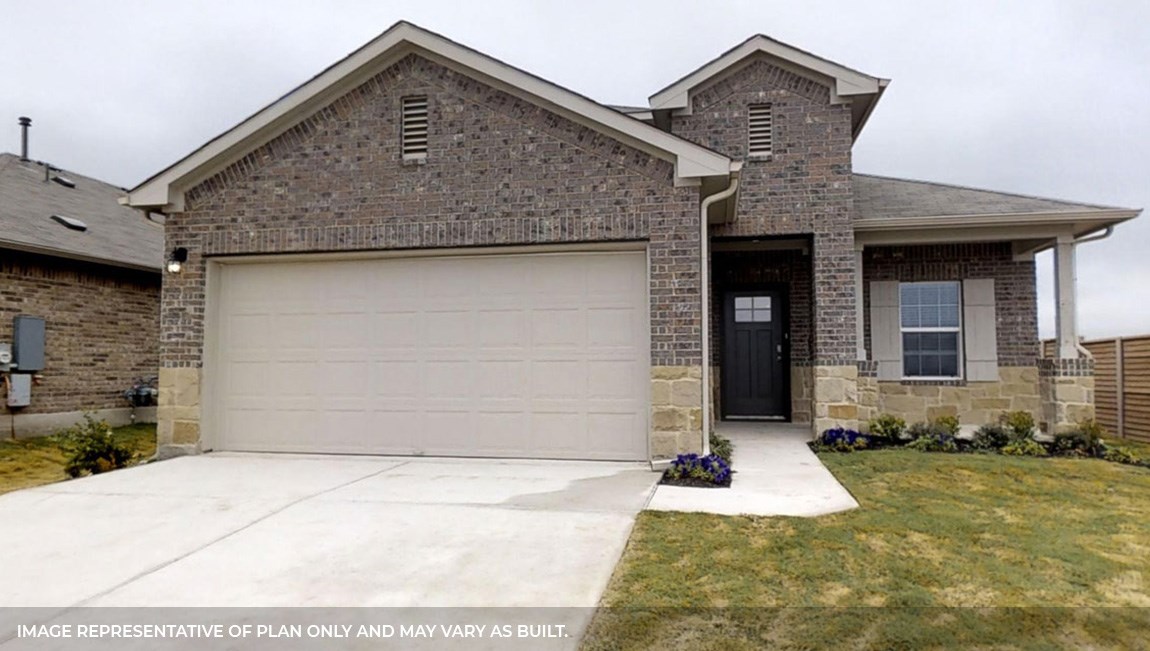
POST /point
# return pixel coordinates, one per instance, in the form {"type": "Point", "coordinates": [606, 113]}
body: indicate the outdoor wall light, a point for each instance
{"type": "Point", "coordinates": [177, 259]}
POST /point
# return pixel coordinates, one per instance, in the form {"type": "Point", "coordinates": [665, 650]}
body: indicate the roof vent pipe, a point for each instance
{"type": "Point", "coordinates": [24, 124]}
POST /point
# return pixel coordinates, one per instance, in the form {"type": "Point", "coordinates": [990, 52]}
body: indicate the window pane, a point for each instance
{"type": "Point", "coordinates": [910, 366]}
{"type": "Point", "coordinates": [762, 301]}
{"type": "Point", "coordinates": [742, 316]}
{"type": "Point", "coordinates": [928, 294]}
{"type": "Point", "coordinates": [949, 366]}
{"type": "Point", "coordinates": [743, 303]}
{"type": "Point", "coordinates": [909, 294]}
{"type": "Point", "coordinates": [911, 343]}
{"type": "Point", "coordinates": [948, 342]}
{"type": "Point", "coordinates": [763, 316]}
{"type": "Point", "coordinates": [910, 316]}
{"type": "Point", "coordinates": [930, 366]}
{"type": "Point", "coordinates": [929, 342]}
{"type": "Point", "coordinates": [928, 316]}
{"type": "Point", "coordinates": [948, 316]}
{"type": "Point", "coordinates": [949, 294]}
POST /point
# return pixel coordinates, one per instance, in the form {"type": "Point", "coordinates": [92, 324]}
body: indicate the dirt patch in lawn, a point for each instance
{"type": "Point", "coordinates": [35, 461]}
{"type": "Point", "coordinates": [946, 551]}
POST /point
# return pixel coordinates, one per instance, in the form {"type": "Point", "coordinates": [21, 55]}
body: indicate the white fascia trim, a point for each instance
{"type": "Point", "coordinates": [165, 189]}
{"type": "Point", "coordinates": [847, 82]}
{"type": "Point", "coordinates": [1005, 219]}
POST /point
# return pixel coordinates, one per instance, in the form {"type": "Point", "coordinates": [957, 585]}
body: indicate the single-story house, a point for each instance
{"type": "Point", "coordinates": [424, 250]}
{"type": "Point", "coordinates": [80, 282]}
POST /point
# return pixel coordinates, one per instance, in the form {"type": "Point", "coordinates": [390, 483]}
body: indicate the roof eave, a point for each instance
{"type": "Point", "coordinates": [986, 227]}
{"type": "Point", "coordinates": [71, 255]}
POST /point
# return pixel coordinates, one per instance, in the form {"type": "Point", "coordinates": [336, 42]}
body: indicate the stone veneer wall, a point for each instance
{"type": "Point", "coordinates": [1067, 390]}
{"type": "Point", "coordinates": [802, 393]}
{"type": "Point", "coordinates": [676, 410]}
{"type": "Point", "coordinates": [973, 403]}
{"type": "Point", "coordinates": [499, 171]}
{"type": "Point", "coordinates": [868, 391]}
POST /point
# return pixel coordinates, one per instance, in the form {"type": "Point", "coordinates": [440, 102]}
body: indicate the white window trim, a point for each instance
{"type": "Point", "coordinates": [961, 364]}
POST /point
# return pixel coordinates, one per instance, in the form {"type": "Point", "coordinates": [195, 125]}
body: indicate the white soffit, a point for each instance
{"type": "Point", "coordinates": [846, 82]}
{"type": "Point", "coordinates": [165, 189]}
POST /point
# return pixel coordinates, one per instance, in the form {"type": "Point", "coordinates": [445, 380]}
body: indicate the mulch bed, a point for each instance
{"type": "Point", "coordinates": [691, 482]}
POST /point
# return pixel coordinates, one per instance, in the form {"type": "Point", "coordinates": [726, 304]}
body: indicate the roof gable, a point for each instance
{"type": "Point", "coordinates": [115, 235]}
{"type": "Point", "coordinates": [847, 86]}
{"type": "Point", "coordinates": [165, 189]}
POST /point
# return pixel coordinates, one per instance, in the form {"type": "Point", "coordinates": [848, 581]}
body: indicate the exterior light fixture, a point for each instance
{"type": "Point", "coordinates": [177, 259]}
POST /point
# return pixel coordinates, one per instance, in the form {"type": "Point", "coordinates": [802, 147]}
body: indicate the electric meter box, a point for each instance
{"type": "Point", "coordinates": [28, 343]}
{"type": "Point", "coordinates": [19, 390]}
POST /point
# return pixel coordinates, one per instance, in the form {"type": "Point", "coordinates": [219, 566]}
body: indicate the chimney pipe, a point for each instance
{"type": "Point", "coordinates": [24, 124]}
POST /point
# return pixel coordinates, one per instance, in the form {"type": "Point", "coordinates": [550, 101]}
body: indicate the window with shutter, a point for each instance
{"type": "Point", "coordinates": [759, 130]}
{"type": "Point", "coordinates": [934, 330]}
{"type": "Point", "coordinates": [415, 118]}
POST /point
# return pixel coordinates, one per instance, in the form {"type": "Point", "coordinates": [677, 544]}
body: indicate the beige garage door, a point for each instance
{"type": "Point", "coordinates": [541, 355]}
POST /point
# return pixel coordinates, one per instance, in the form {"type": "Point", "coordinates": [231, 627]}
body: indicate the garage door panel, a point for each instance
{"type": "Point", "coordinates": [512, 355]}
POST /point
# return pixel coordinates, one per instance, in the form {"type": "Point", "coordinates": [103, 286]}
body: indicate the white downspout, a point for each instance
{"type": "Point", "coordinates": [1082, 240]}
{"type": "Point", "coordinates": [705, 294]}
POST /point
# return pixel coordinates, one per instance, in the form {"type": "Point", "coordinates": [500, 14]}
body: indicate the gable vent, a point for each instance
{"type": "Point", "coordinates": [415, 127]}
{"type": "Point", "coordinates": [759, 130]}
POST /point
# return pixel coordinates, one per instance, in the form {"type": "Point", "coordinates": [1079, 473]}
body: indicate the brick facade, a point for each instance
{"type": "Point", "coordinates": [101, 328]}
{"type": "Point", "coordinates": [803, 188]}
{"type": "Point", "coordinates": [499, 171]}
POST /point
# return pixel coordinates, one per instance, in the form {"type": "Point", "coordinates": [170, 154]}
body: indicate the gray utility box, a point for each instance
{"type": "Point", "coordinates": [19, 390]}
{"type": "Point", "coordinates": [28, 343]}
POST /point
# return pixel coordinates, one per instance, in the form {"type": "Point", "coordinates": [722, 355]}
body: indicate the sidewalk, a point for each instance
{"type": "Point", "coordinates": [775, 474]}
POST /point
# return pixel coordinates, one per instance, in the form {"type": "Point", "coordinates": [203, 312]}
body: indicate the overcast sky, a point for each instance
{"type": "Point", "coordinates": [1040, 97]}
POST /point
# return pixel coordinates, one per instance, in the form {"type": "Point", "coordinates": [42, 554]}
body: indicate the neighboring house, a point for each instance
{"type": "Point", "coordinates": [423, 250]}
{"type": "Point", "coordinates": [71, 255]}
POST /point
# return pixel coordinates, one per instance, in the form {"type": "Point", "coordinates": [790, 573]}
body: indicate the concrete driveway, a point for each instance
{"type": "Point", "coordinates": [291, 530]}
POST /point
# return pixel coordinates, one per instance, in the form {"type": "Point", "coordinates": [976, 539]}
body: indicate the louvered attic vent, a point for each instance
{"type": "Point", "coordinates": [759, 130]}
{"type": "Point", "coordinates": [414, 127]}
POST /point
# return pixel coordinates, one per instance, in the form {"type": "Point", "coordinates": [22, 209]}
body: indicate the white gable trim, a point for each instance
{"type": "Point", "coordinates": [846, 82]}
{"type": "Point", "coordinates": [165, 189]}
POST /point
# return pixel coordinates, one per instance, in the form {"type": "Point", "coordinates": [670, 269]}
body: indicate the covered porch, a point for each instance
{"type": "Point", "coordinates": [934, 304]}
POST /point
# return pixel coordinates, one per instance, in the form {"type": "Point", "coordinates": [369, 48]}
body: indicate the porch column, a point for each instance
{"type": "Point", "coordinates": [860, 330]}
{"type": "Point", "coordinates": [1065, 313]}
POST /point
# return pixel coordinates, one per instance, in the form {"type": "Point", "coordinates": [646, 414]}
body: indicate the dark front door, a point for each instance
{"type": "Point", "coordinates": [754, 381]}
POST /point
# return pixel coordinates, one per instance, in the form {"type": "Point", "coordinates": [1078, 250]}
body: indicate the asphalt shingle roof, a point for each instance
{"type": "Point", "coordinates": [878, 197]}
{"type": "Point", "coordinates": [116, 234]}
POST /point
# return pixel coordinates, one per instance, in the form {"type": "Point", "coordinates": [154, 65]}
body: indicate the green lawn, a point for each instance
{"type": "Point", "coordinates": [946, 551]}
{"type": "Point", "coordinates": [35, 461]}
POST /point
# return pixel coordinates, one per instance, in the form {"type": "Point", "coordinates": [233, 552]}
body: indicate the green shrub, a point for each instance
{"type": "Point", "coordinates": [93, 449]}
{"type": "Point", "coordinates": [1118, 454]}
{"type": "Point", "coordinates": [934, 442]}
{"type": "Point", "coordinates": [946, 425]}
{"type": "Point", "coordinates": [1085, 440]}
{"type": "Point", "coordinates": [990, 437]}
{"type": "Point", "coordinates": [721, 447]}
{"type": "Point", "coordinates": [1019, 425]}
{"type": "Point", "coordinates": [1025, 448]}
{"type": "Point", "coordinates": [887, 426]}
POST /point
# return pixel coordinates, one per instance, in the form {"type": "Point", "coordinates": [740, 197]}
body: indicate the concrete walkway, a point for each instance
{"type": "Point", "coordinates": [775, 474]}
